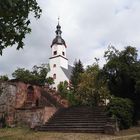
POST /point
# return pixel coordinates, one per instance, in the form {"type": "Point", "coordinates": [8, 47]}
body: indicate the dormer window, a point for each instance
{"type": "Point", "coordinates": [55, 53]}
{"type": "Point", "coordinates": [63, 53]}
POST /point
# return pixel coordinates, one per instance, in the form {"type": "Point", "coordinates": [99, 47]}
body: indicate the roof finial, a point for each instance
{"type": "Point", "coordinates": [58, 19]}
{"type": "Point", "coordinates": [58, 27]}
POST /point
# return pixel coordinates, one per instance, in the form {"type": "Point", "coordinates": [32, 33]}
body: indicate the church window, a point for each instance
{"type": "Point", "coordinates": [55, 52]}
{"type": "Point", "coordinates": [54, 65]}
{"type": "Point", "coordinates": [63, 53]}
{"type": "Point", "coordinates": [54, 76]}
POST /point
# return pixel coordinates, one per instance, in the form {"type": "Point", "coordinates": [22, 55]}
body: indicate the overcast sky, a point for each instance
{"type": "Point", "coordinates": [88, 27]}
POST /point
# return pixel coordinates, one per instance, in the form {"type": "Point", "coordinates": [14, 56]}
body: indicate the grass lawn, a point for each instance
{"type": "Point", "coordinates": [26, 134]}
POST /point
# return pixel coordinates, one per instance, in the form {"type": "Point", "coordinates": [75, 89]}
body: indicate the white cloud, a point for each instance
{"type": "Point", "coordinates": [88, 26]}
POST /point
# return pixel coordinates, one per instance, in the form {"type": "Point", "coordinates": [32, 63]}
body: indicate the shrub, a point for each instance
{"type": "Point", "coordinates": [67, 94]}
{"type": "Point", "coordinates": [72, 99]}
{"type": "Point", "coordinates": [123, 110]}
{"type": "Point", "coordinates": [4, 78]}
{"type": "Point", "coordinates": [63, 89]}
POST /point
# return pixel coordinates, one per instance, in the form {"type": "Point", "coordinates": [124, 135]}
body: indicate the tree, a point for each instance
{"type": "Point", "coordinates": [36, 76]}
{"type": "Point", "coordinates": [75, 77]}
{"type": "Point", "coordinates": [41, 72]}
{"type": "Point", "coordinates": [66, 93]}
{"type": "Point", "coordinates": [14, 21]}
{"type": "Point", "coordinates": [122, 72]}
{"type": "Point", "coordinates": [4, 78]}
{"type": "Point", "coordinates": [122, 109]}
{"type": "Point", "coordinates": [63, 89]}
{"type": "Point", "coordinates": [50, 81]}
{"type": "Point", "coordinates": [23, 75]}
{"type": "Point", "coordinates": [92, 89]}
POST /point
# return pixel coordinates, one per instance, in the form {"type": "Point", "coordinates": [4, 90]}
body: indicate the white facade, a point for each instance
{"type": "Point", "coordinates": [58, 61]}
{"type": "Point", "coordinates": [59, 56]}
{"type": "Point", "coordinates": [60, 76]}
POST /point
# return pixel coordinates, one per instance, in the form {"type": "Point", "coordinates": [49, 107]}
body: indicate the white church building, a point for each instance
{"type": "Point", "coordinates": [60, 70]}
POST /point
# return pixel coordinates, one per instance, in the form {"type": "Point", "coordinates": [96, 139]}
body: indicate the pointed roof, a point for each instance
{"type": "Point", "coordinates": [58, 39]}
{"type": "Point", "coordinates": [68, 71]}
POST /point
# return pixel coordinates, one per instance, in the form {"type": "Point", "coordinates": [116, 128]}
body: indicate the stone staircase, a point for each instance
{"type": "Point", "coordinates": [77, 119]}
{"type": "Point", "coordinates": [54, 98]}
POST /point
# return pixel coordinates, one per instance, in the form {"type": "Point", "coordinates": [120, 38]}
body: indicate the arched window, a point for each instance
{"type": "Point", "coordinates": [54, 65]}
{"type": "Point", "coordinates": [54, 76]}
{"type": "Point", "coordinates": [30, 93]}
{"type": "Point", "coordinates": [37, 102]}
{"type": "Point", "coordinates": [63, 53]}
{"type": "Point", "coordinates": [55, 53]}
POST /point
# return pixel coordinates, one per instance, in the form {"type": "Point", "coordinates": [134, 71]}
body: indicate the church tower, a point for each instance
{"type": "Point", "coordinates": [60, 71]}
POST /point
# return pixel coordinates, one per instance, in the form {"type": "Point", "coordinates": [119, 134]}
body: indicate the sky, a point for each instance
{"type": "Point", "coordinates": [88, 28]}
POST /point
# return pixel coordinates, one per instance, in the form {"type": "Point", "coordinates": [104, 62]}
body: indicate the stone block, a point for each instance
{"type": "Point", "coordinates": [109, 129]}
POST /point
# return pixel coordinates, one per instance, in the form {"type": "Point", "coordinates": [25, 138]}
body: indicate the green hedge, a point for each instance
{"type": "Point", "coordinates": [123, 110]}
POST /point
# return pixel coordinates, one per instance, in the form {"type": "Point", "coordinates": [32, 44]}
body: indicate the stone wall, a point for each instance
{"type": "Point", "coordinates": [7, 100]}
{"type": "Point", "coordinates": [15, 106]}
{"type": "Point", "coordinates": [29, 116]}
{"type": "Point", "coordinates": [34, 117]}
{"type": "Point", "coordinates": [13, 95]}
{"type": "Point", "coordinates": [21, 94]}
{"type": "Point", "coordinates": [7, 97]}
{"type": "Point", "coordinates": [48, 113]}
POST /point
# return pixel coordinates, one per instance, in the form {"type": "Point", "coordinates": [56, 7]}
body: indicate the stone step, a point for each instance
{"type": "Point", "coordinates": [76, 130]}
{"type": "Point", "coordinates": [84, 116]}
{"type": "Point", "coordinates": [77, 113]}
{"type": "Point", "coordinates": [79, 126]}
{"type": "Point", "coordinates": [77, 119]}
{"type": "Point", "coordinates": [76, 124]}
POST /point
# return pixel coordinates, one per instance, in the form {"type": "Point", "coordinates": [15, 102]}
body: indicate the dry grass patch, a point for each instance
{"type": "Point", "coordinates": [26, 134]}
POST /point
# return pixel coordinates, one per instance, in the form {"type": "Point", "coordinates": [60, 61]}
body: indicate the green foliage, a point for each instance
{"type": "Point", "coordinates": [36, 76]}
{"type": "Point", "coordinates": [75, 77]}
{"type": "Point", "coordinates": [63, 89]}
{"type": "Point", "coordinates": [14, 21]}
{"type": "Point", "coordinates": [122, 109]}
{"type": "Point", "coordinates": [4, 78]}
{"type": "Point", "coordinates": [92, 89]}
{"type": "Point", "coordinates": [122, 71]}
{"type": "Point", "coordinates": [71, 97]}
{"type": "Point", "coordinates": [68, 92]}
{"type": "Point", "coordinates": [49, 80]}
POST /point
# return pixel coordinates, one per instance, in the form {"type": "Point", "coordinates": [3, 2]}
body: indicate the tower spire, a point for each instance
{"type": "Point", "coordinates": [58, 39]}
{"type": "Point", "coordinates": [58, 29]}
